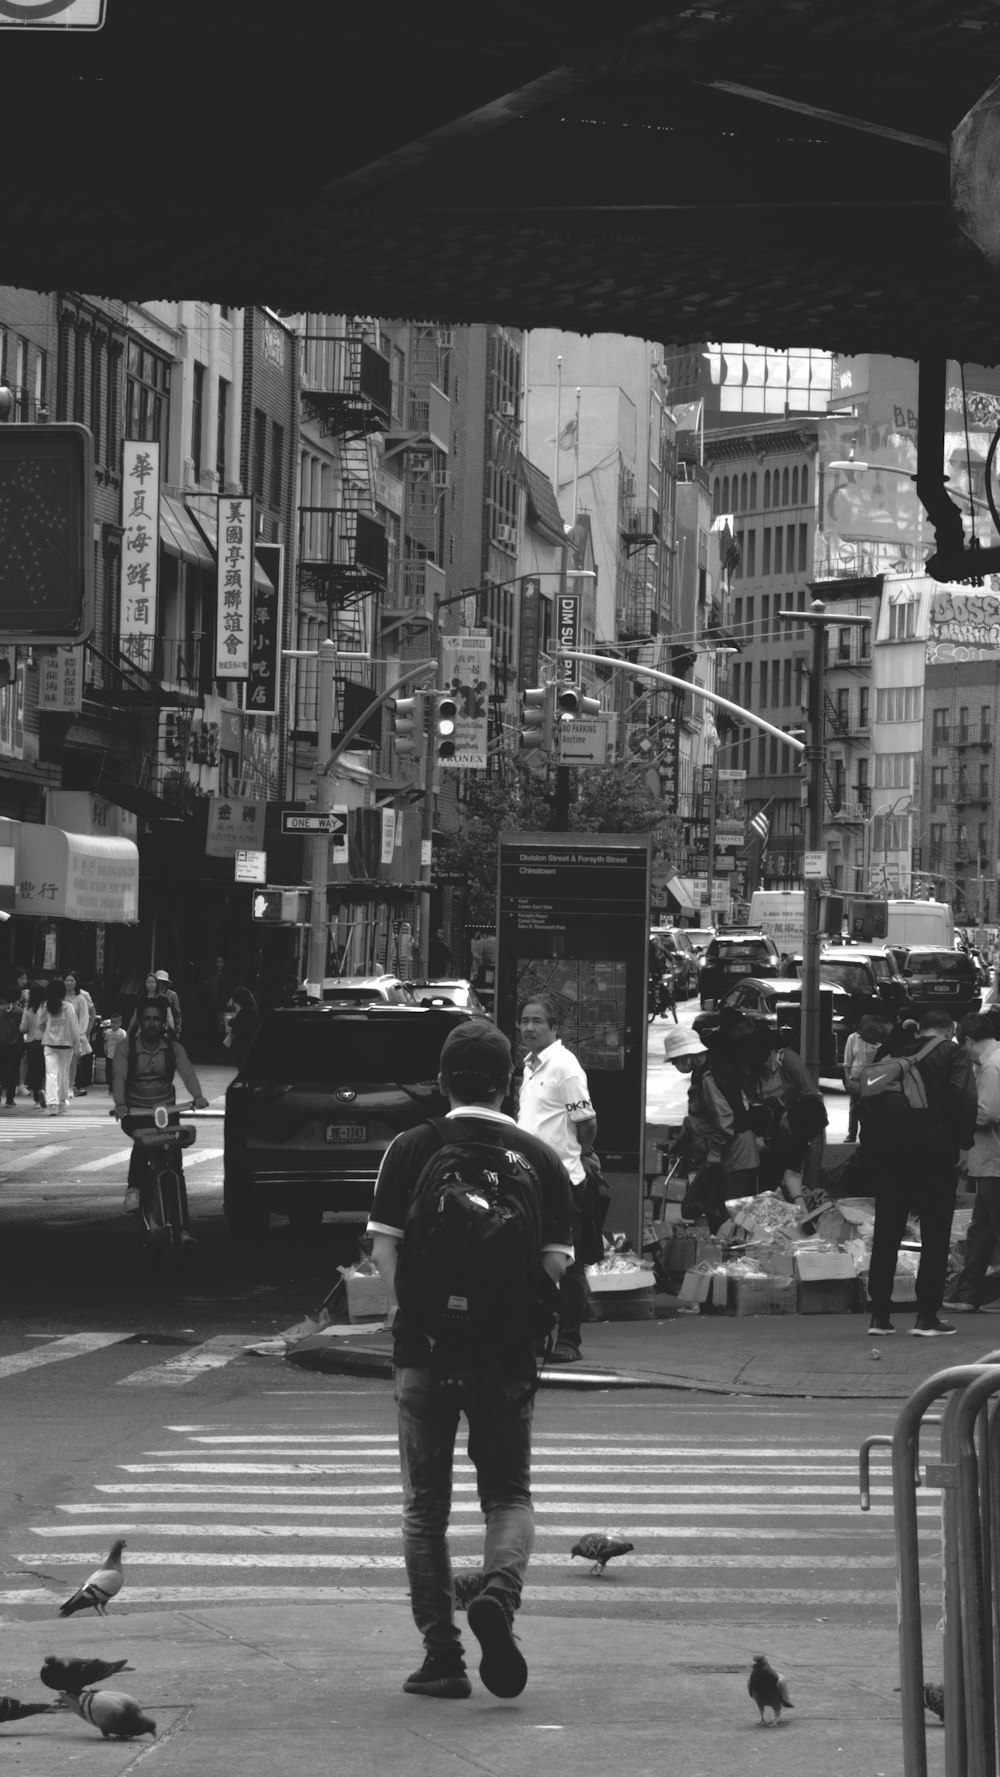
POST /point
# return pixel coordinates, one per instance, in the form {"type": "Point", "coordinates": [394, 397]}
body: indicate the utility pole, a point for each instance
{"type": "Point", "coordinates": [318, 940]}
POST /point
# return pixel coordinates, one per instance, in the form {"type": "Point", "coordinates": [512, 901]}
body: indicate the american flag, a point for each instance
{"type": "Point", "coordinates": [761, 826]}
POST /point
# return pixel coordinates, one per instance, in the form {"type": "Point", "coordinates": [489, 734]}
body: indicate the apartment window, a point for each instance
{"type": "Point", "coordinates": [716, 496]}
{"type": "Point", "coordinates": [745, 749]}
{"type": "Point", "coordinates": [761, 754]}
{"type": "Point", "coordinates": [939, 727]}
{"type": "Point", "coordinates": [774, 756]}
{"type": "Point", "coordinates": [903, 620]}
{"type": "Point", "coordinates": [753, 490]}
{"type": "Point", "coordinates": [963, 725]}
{"type": "Point", "coordinates": [786, 684]}
{"type": "Point", "coordinates": [803, 547]}
{"type": "Point", "coordinates": [804, 487]}
{"type": "Point", "coordinates": [777, 627]}
{"type": "Point", "coordinates": [751, 555]}
{"type": "Point", "coordinates": [259, 451]}
{"type": "Point", "coordinates": [839, 784]}
{"type": "Point", "coordinates": [738, 613]}
{"type": "Point", "coordinates": [898, 703]}
{"type": "Point", "coordinates": [938, 832]}
{"type": "Point", "coordinates": [985, 718]}
{"type": "Point", "coordinates": [862, 784]}
{"type": "Point", "coordinates": [277, 463]}
{"type": "Point", "coordinates": [939, 783]}
{"type": "Point", "coordinates": [893, 771]}
{"type": "Point", "coordinates": [778, 537]}
{"type": "Point", "coordinates": [863, 721]}
{"type": "Point", "coordinates": [843, 709]}
{"type": "Point", "coordinates": [765, 566]}
{"type": "Point", "coordinates": [96, 404]}
{"type": "Point", "coordinates": [41, 375]}
{"type": "Point", "coordinates": [398, 381]}
{"type": "Point", "coordinates": [790, 549]}
{"type": "Point", "coordinates": [767, 487]}
{"type": "Point", "coordinates": [891, 833]}
{"type": "Point", "coordinates": [79, 373]}
{"type": "Point", "coordinates": [736, 681]}
{"type": "Point", "coordinates": [984, 783]}
{"type": "Point", "coordinates": [763, 685]}
{"type": "Point", "coordinates": [981, 842]}
{"type": "Point", "coordinates": [784, 487]}
{"type": "Point", "coordinates": [749, 623]}
{"type": "Point", "coordinates": [795, 487]}
{"type": "Point", "coordinates": [765, 615]}
{"type": "Point", "coordinates": [221, 426]}
{"type": "Point", "coordinates": [147, 399]}
{"type": "Point", "coordinates": [197, 418]}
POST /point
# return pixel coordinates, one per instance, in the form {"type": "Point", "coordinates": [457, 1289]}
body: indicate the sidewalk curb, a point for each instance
{"type": "Point", "coordinates": [316, 1353]}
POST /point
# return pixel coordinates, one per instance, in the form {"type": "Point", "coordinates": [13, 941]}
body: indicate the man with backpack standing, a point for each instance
{"type": "Point", "coordinates": [917, 1107]}
{"type": "Point", "coordinates": [471, 1230]}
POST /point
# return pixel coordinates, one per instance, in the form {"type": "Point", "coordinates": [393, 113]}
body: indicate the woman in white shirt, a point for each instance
{"type": "Point", "coordinates": [60, 1044]}
{"type": "Point", "coordinates": [83, 1006]}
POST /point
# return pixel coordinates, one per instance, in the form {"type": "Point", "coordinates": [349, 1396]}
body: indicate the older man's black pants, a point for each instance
{"type": "Point", "coordinates": [904, 1187]}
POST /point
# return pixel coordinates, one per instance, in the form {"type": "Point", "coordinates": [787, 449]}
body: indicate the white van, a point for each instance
{"type": "Point", "coordinates": [921, 922]}
{"type": "Point", "coordinates": [781, 914]}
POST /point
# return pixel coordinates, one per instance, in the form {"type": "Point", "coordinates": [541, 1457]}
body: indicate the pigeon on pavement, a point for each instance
{"type": "Point", "coordinates": [74, 1675]}
{"type": "Point", "coordinates": [12, 1710]}
{"type": "Point", "coordinates": [768, 1689]}
{"type": "Point", "coordinates": [118, 1715]}
{"type": "Point", "coordinates": [600, 1550]}
{"type": "Point", "coordinates": [97, 1592]}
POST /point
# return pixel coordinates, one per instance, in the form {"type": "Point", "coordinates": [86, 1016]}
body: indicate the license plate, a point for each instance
{"type": "Point", "coordinates": [941, 987]}
{"type": "Point", "coordinates": [347, 1134]}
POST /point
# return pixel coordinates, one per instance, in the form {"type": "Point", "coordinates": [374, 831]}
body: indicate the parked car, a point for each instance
{"type": "Point", "coordinates": [679, 957]}
{"type": "Point", "coordinates": [321, 1093]}
{"type": "Point", "coordinates": [889, 983]}
{"type": "Point", "coordinates": [361, 990]}
{"type": "Point", "coordinates": [699, 938]}
{"type": "Point", "coordinates": [448, 993]}
{"type": "Point", "coordinates": [778, 1004]}
{"type": "Point", "coordinates": [946, 978]}
{"type": "Point", "coordinates": [730, 955]}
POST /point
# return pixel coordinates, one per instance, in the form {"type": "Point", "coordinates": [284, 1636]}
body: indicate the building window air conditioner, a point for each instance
{"type": "Point", "coordinates": [508, 409]}
{"type": "Point", "coordinates": [445, 339]}
{"type": "Point", "coordinates": [507, 534]}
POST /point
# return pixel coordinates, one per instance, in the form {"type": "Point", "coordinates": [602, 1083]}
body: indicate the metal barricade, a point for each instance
{"type": "Point", "coordinates": [968, 1475]}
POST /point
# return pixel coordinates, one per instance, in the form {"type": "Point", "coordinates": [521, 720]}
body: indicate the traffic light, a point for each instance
{"type": "Point", "coordinates": [574, 707]}
{"type": "Point", "coordinates": [537, 718]}
{"type": "Point", "coordinates": [445, 718]}
{"type": "Point", "coordinates": [281, 906]}
{"type": "Point", "coordinates": [46, 534]}
{"type": "Point", "coordinates": [408, 724]}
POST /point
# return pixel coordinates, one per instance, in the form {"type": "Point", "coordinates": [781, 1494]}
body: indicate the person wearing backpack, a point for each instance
{"type": "Point", "coordinates": [917, 1109]}
{"type": "Point", "coordinates": [471, 1228]}
{"type": "Point", "coordinates": [983, 1165]}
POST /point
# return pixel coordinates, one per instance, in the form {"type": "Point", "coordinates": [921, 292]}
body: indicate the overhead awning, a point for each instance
{"type": "Point", "coordinates": [76, 876]}
{"type": "Point", "coordinates": [206, 521]}
{"type": "Point", "coordinates": [181, 536]}
{"type": "Point", "coordinates": [138, 801]}
{"type": "Point", "coordinates": [683, 893]}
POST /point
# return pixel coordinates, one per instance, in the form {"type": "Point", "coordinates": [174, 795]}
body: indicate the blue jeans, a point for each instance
{"type": "Point", "coordinates": [499, 1419]}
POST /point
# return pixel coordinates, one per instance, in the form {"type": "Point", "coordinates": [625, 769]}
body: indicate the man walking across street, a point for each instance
{"type": "Point", "coordinates": [911, 1156]}
{"type": "Point", "coordinates": [486, 1370]}
{"type": "Point", "coordinates": [984, 1169]}
{"type": "Point", "coordinates": [554, 1104]}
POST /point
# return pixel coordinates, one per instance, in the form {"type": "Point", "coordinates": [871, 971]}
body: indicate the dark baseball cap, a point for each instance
{"type": "Point", "coordinates": [477, 1047]}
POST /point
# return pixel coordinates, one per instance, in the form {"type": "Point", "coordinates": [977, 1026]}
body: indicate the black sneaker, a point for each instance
{"type": "Point", "coordinates": [959, 1307]}
{"type": "Point", "coordinates": [932, 1329]}
{"type": "Point", "coordinates": [880, 1326]}
{"type": "Point", "coordinates": [503, 1668]}
{"type": "Point", "coordinates": [441, 1675]}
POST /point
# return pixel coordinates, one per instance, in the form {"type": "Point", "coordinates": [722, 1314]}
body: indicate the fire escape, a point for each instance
{"type": "Point", "coordinates": [969, 747]}
{"type": "Point", "coordinates": [343, 554]}
{"type": "Point", "coordinates": [418, 439]}
{"type": "Point", "coordinates": [637, 615]}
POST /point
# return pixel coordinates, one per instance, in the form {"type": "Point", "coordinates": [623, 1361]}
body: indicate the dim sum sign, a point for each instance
{"type": "Point", "coordinates": [963, 626]}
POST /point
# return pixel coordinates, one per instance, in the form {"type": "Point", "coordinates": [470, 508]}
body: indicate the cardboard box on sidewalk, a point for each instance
{"type": "Point", "coordinates": [761, 1295]}
{"type": "Point", "coordinates": [367, 1297]}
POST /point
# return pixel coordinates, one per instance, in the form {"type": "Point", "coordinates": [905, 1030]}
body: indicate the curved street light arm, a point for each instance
{"type": "Point", "coordinates": [650, 672]}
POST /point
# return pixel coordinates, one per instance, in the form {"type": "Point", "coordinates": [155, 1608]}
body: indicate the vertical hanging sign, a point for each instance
{"type": "Point", "coordinates": [263, 687]}
{"type": "Point", "coordinates": [234, 613]}
{"type": "Point", "coordinates": [140, 550]}
{"type": "Point", "coordinates": [568, 633]}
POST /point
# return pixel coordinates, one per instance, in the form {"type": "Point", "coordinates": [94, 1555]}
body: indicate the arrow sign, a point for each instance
{"type": "Point", "coordinates": [583, 743]}
{"type": "Point", "coordinates": [306, 823]}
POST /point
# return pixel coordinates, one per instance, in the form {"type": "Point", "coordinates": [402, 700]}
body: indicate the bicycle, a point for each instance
{"type": "Point", "coordinates": [158, 1134]}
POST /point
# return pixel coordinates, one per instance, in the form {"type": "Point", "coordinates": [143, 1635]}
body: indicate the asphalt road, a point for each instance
{"type": "Point", "coordinates": [244, 1481]}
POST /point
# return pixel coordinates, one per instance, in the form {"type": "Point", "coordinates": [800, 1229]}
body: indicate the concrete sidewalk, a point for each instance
{"type": "Point", "coordinates": [809, 1356]}
{"type": "Point", "coordinates": [269, 1689]}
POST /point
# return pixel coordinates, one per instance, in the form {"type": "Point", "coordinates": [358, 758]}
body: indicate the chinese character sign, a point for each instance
{"type": "Point", "coordinates": [265, 631]}
{"type": "Point", "coordinates": [60, 685]}
{"type": "Point", "coordinates": [234, 614]}
{"type": "Point", "coordinates": [234, 825]}
{"type": "Point", "coordinates": [140, 549]}
{"type": "Point", "coordinates": [465, 670]}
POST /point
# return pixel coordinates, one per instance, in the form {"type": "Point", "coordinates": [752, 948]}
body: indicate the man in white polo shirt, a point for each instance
{"type": "Point", "coordinates": [554, 1103]}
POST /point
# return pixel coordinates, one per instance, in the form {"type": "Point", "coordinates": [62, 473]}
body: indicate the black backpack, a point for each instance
{"type": "Point", "coordinates": [893, 1110]}
{"type": "Point", "coordinates": [469, 1265]}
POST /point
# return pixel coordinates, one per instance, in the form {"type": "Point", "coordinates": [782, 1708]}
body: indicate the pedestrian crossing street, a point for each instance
{"type": "Point", "coordinates": [732, 1529]}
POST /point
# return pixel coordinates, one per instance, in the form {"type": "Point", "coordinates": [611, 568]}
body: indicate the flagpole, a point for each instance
{"type": "Point", "coordinates": [555, 446]}
{"type": "Point", "coordinates": [576, 460]}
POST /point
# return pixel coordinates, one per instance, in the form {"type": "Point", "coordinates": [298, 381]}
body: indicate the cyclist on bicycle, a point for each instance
{"type": "Point", "coordinates": [142, 1077]}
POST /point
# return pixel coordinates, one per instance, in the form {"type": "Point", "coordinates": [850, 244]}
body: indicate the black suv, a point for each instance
{"type": "Point", "coordinates": [729, 957]}
{"type": "Point", "coordinates": [945, 978]}
{"type": "Point", "coordinates": [868, 972]}
{"type": "Point", "coordinates": [320, 1095]}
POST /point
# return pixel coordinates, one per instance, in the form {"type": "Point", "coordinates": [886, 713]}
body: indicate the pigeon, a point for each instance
{"type": "Point", "coordinates": [768, 1689]}
{"type": "Point", "coordinates": [600, 1550]}
{"type": "Point", "coordinates": [74, 1675]}
{"type": "Point", "coordinates": [934, 1699]}
{"type": "Point", "coordinates": [97, 1592]}
{"type": "Point", "coordinates": [12, 1710]}
{"type": "Point", "coordinates": [467, 1587]}
{"type": "Point", "coordinates": [118, 1716]}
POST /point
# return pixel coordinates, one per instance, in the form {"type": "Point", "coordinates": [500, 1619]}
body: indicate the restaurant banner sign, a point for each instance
{"type": "Point", "coordinates": [234, 613]}
{"type": "Point", "coordinates": [140, 550]}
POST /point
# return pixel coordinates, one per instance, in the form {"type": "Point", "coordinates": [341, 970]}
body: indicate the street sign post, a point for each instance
{"type": "Point", "coordinates": [583, 742]}
{"type": "Point", "coordinates": [303, 822]}
{"type": "Point", "coordinates": [251, 866]}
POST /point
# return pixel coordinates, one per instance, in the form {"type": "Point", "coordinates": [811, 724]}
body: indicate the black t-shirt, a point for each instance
{"type": "Point", "coordinates": [402, 1164]}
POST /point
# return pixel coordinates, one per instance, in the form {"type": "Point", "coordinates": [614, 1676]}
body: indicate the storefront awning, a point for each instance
{"type": "Point", "coordinates": [205, 519]}
{"type": "Point", "coordinates": [683, 893]}
{"type": "Point", "coordinates": [76, 876]}
{"type": "Point", "coordinates": [181, 536]}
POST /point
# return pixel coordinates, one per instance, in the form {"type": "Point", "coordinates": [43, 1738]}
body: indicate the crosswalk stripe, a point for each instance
{"type": "Point", "coordinates": [120, 1159]}
{"type": "Point", "coordinates": [547, 1562]}
{"type": "Point", "coordinates": [34, 1158]}
{"type": "Point", "coordinates": [600, 1468]}
{"type": "Point", "coordinates": [668, 1490]}
{"type": "Point", "coordinates": [189, 1365]}
{"type": "Point", "coordinates": [73, 1345]}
